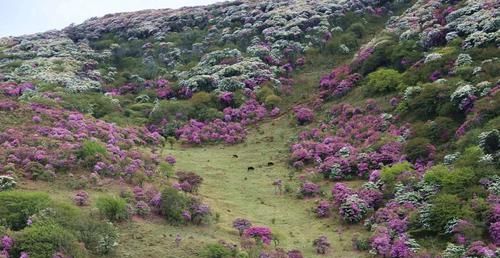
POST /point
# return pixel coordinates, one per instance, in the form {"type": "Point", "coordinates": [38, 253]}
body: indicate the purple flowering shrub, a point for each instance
{"type": "Point", "coordinates": [56, 143]}
{"type": "Point", "coordinates": [170, 159]}
{"type": "Point", "coordinates": [259, 233]}
{"type": "Point", "coordinates": [13, 89]}
{"type": "Point", "coordinates": [336, 146]}
{"type": "Point", "coordinates": [241, 225]}
{"type": "Point", "coordinates": [323, 209]}
{"type": "Point", "coordinates": [195, 132]}
{"type": "Point", "coordinates": [189, 181]}
{"type": "Point", "coordinates": [385, 244]}
{"type": "Point", "coordinates": [250, 112]}
{"type": "Point", "coordinates": [322, 245]}
{"type": "Point", "coordinates": [303, 115]}
{"type": "Point", "coordinates": [353, 209]}
{"type": "Point", "coordinates": [340, 81]}
{"type": "Point", "coordinates": [81, 198]}
{"type": "Point", "coordinates": [309, 189]}
{"type": "Point", "coordinates": [142, 209]}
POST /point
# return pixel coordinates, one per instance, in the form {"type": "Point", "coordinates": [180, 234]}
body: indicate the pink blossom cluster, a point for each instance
{"type": "Point", "coordinates": [226, 98]}
{"type": "Point", "coordinates": [81, 198]}
{"type": "Point", "coordinates": [13, 89]}
{"type": "Point", "coordinates": [259, 232]}
{"type": "Point", "coordinates": [494, 219]}
{"type": "Point", "coordinates": [53, 142]}
{"type": "Point", "coordinates": [248, 113]}
{"type": "Point", "coordinates": [309, 189]}
{"type": "Point", "coordinates": [480, 249]}
{"type": "Point", "coordinates": [303, 115]}
{"type": "Point", "coordinates": [336, 147]}
{"type": "Point", "coordinates": [385, 244]}
{"type": "Point", "coordinates": [6, 244]}
{"type": "Point", "coordinates": [338, 82]}
{"type": "Point", "coordinates": [352, 205]}
{"type": "Point", "coordinates": [195, 132]}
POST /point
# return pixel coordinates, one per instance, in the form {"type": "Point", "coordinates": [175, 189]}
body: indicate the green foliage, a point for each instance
{"type": "Point", "coordinates": [358, 29]}
{"type": "Point", "coordinates": [202, 99]}
{"type": "Point", "coordinates": [263, 93]}
{"type": "Point", "coordinates": [446, 207]}
{"type": "Point", "coordinates": [417, 148]}
{"type": "Point", "coordinates": [91, 148]}
{"type": "Point", "coordinates": [92, 103]}
{"type": "Point", "coordinates": [382, 81]}
{"type": "Point", "coordinates": [171, 110]}
{"type": "Point", "coordinates": [272, 101]}
{"type": "Point", "coordinates": [451, 181]}
{"type": "Point", "coordinates": [421, 74]}
{"type": "Point", "coordinates": [433, 100]}
{"type": "Point", "coordinates": [44, 239]}
{"type": "Point", "coordinates": [216, 251]}
{"type": "Point", "coordinates": [16, 207]}
{"type": "Point", "coordinates": [112, 208]}
{"type": "Point", "coordinates": [441, 129]}
{"type": "Point", "coordinates": [207, 114]}
{"type": "Point", "coordinates": [470, 157]}
{"type": "Point", "coordinates": [99, 237]}
{"type": "Point", "coordinates": [389, 174]}
{"type": "Point", "coordinates": [173, 203]}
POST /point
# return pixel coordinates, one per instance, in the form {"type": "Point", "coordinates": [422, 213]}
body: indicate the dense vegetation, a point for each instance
{"type": "Point", "coordinates": [379, 118]}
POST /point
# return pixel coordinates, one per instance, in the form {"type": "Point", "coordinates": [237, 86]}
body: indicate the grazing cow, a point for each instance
{"type": "Point", "coordinates": [250, 169]}
{"type": "Point", "coordinates": [235, 156]}
{"type": "Point", "coordinates": [270, 164]}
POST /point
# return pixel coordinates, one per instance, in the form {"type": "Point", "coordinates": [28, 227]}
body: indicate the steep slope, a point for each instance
{"type": "Point", "coordinates": [255, 129]}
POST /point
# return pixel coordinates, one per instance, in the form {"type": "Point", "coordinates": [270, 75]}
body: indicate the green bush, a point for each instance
{"type": "Point", "coordinates": [44, 239]}
{"type": "Point", "coordinates": [173, 203]}
{"type": "Point", "coordinates": [446, 207]}
{"type": "Point", "coordinates": [99, 237]}
{"type": "Point", "coordinates": [470, 157]}
{"type": "Point", "coordinates": [202, 100]}
{"type": "Point", "coordinates": [382, 81]}
{"type": "Point", "coordinates": [272, 101]}
{"type": "Point", "coordinates": [217, 251]}
{"type": "Point", "coordinates": [170, 110]}
{"type": "Point", "coordinates": [358, 29]}
{"type": "Point", "coordinates": [207, 114]}
{"type": "Point", "coordinates": [441, 129]}
{"type": "Point", "coordinates": [451, 181]}
{"type": "Point", "coordinates": [91, 148]}
{"type": "Point", "coordinates": [263, 92]}
{"type": "Point", "coordinates": [16, 207]}
{"type": "Point", "coordinates": [417, 148]}
{"type": "Point", "coordinates": [95, 104]}
{"type": "Point", "coordinates": [433, 100]}
{"type": "Point", "coordinates": [389, 174]}
{"type": "Point", "coordinates": [403, 54]}
{"type": "Point", "coordinates": [112, 208]}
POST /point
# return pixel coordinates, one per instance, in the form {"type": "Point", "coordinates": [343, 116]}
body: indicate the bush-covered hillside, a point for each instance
{"type": "Point", "coordinates": [325, 128]}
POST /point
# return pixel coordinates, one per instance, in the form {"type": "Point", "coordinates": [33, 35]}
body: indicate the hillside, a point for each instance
{"type": "Point", "coordinates": [305, 128]}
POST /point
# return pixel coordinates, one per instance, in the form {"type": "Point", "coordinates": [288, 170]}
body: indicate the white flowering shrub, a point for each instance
{"type": "Point", "coordinates": [463, 59]}
{"type": "Point", "coordinates": [454, 251]}
{"type": "Point", "coordinates": [7, 182]}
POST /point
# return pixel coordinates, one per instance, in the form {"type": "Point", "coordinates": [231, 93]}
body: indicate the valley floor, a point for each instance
{"type": "Point", "coordinates": [234, 192]}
